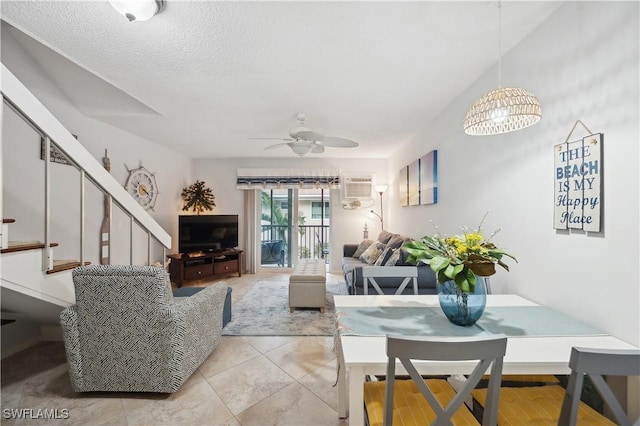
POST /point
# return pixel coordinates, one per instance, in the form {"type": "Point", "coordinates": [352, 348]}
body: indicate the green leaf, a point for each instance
{"type": "Point", "coordinates": [504, 265]}
{"type": "Point", "coordinates": [438, 263]}
{"type": "Point", "coordinates": [452, 270]}
{"type": "Point", "coordinates": [471, 280]}
{"type": "Point", "coordinates": [462, 282]}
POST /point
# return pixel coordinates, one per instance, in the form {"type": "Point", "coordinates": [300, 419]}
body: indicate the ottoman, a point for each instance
{"type": "Point", "coordinates": [190, 291]}
{"type": "Point", "coordinates": [308, 285]}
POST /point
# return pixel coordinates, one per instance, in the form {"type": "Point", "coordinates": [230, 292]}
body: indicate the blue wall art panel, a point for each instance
{"type": "Point", "coordinates": [429, 178]}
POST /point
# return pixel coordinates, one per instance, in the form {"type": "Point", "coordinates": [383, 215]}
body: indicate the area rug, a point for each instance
{"type": "Point", "coordinates": [264, 311]}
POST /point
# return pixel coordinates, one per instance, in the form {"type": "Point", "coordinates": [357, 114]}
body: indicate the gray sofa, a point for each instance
{"type": "Point", "coordinates": [352, 268]}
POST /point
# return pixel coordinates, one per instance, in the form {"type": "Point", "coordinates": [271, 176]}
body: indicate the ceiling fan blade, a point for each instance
{"type": "Point", "coordinates": [271, 139]}
{"type": "Point", "coordinates": [309, 135]}
{"type": "Point", "coordinates": [317, 149]}
{"type": "Point", "coordinates": [338, 142]}
{"type": "Point", "coordinates": [278, 145]}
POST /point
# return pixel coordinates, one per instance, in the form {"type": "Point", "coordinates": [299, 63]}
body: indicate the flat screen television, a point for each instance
{"type": "Point", "coordinates": [206, 233]}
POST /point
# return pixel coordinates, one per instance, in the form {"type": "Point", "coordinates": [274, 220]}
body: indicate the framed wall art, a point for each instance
{"type": "Point", "coordinates": [414, 183]}
{"type": "Point", "coordinates": [403, 186]}
{"type": "Point", "coordinates": [429, 178]}
{"type": "Point", "coordinates": [418, 181]}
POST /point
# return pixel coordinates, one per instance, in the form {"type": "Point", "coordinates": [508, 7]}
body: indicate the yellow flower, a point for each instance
{"type": "Point", "coordinates": [473, 239]}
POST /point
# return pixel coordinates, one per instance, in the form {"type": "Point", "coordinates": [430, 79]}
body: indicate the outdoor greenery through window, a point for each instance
{"type": "Point", "coordinates": [306, 236]}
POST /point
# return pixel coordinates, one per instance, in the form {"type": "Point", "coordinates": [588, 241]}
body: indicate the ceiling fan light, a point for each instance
{"type": "Point", "coordinates": [301, 149]}
{"type": "Point", "coordinates": [138, 10]}
{"type": "Point", "coordinates": [501, 111]}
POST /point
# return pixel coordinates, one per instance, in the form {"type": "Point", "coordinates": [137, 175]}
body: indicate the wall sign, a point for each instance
{"type": "Point", "coordinates": [578, 183]}
{"type": "Point", "coordinates": [55, 155]}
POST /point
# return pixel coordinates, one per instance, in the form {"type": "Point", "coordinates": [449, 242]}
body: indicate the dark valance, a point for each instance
{"type": "Point", "coordinates": [288, 179]}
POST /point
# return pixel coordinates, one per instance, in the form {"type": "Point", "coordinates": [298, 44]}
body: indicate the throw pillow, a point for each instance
{"type": "Point", "coordinates": [371, 254]}
{"type": "Point", "coordinates": [362, 247]}
{"type": "Point", "coordinates": [384, 236]}
{"type": "Point", "coordinates": [395, 241]}
{"type": "Point", "coordinates": [393, 259]}
{"type": "Point", "coordinates": [383, 257]}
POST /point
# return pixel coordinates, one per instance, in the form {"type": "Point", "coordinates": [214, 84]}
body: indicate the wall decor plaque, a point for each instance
{"type": "Point", "coordinates": [578, 183]}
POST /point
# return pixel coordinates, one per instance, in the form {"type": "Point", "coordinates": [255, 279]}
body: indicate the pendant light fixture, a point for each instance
{"type": "Point", "coordinates": [504, 109]}
{"type": "Point", "coordinates": [138, 10]}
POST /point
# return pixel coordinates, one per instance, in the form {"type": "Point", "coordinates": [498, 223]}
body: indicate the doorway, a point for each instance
{"type": "Point", "coordinates": [295, 223]}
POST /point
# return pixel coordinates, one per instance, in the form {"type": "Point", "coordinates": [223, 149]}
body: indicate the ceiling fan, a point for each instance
{"type": "Point", "coordinates": [304, 140]}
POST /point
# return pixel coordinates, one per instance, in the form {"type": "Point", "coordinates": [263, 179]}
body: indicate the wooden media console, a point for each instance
{"type": "Point", "coordinates": [184, 268]}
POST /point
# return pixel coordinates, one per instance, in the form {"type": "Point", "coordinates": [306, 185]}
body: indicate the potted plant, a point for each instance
{"type": "Point", "coordinates": [198, 197]}
{"type": "Point", "coordinates": [460, 263]}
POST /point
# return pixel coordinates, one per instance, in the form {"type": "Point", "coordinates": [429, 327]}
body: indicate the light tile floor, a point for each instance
{"type": "Point", "coordinates": [266, 380]}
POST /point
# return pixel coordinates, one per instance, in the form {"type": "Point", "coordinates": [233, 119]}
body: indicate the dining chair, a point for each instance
{"type": "Point", "coordinates": [551, 405]}
{"type": "Point", "coordinates": [434, 401]}
{"type": "Point", "coordinates": [370, 273]}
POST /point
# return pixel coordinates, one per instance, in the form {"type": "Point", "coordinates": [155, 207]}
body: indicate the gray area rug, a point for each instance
{"type": "Point", "coordinates": [264, 311]}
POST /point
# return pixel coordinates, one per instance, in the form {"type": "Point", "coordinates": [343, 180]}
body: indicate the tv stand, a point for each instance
{"type": "Point", "coordinates": [185, 268]}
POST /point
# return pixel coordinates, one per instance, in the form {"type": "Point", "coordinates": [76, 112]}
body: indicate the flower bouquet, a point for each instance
{"type": "Point", "coordinates": [460, 262]}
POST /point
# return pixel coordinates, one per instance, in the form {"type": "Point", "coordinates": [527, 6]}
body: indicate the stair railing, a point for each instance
{"type": "Point", "coordinates": [17, 97]}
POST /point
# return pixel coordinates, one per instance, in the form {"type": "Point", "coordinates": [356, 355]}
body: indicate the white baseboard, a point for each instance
{"type": "Point", "coordinates": [26, 344]}
{"type": "Point", "coordinates": [48, 333]}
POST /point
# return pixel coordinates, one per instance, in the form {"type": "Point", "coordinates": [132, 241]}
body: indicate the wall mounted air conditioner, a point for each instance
{"type": "Point", "coordinates": [356, 191]}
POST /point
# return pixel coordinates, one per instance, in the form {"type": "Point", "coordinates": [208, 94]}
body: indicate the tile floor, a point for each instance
{"type": "Point", "coordinates": [270, 380]}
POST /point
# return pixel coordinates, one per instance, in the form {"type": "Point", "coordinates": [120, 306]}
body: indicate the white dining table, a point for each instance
{"type": "Point", "coordinates": [361, 353]}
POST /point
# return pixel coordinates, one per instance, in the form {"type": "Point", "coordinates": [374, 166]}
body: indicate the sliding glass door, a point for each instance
{"type": "Point", "coordinates": [294, 224]}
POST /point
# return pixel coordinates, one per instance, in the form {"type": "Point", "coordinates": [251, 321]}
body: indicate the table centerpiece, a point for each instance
{"type": "Point", "coordinates": [461, 263]}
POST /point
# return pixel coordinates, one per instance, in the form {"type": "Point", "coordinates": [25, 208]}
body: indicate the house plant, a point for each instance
{"type": "Point", "coordinates": [461, 262]}
{"type": "Point", "coordinates": [198, 197]}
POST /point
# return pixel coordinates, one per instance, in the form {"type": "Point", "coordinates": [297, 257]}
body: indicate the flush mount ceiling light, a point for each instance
{"type": "Point", "coordinates": [502, 110]}
{"type": "Point", "coordinates": [138, 10]}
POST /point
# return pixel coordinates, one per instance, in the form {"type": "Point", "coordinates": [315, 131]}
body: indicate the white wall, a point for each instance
{"type": "Point", "coordinates": [582, 64]}
{"type": "Point", "coordinates": [346, 225]}
{"type": "Point", "coordinates": [23, 173]}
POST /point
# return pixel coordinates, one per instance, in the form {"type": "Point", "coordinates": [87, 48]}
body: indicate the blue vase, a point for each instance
{"type": "Point", "coordinates": [460, 307]}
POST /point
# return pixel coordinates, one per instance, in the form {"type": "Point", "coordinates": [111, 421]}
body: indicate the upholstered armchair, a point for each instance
{"type": "Point", "coordinates": [127, 333]}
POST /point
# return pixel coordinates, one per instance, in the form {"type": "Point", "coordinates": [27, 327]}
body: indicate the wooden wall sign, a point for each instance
{"type": "Point", "coordinates": [578, 183]}
{"type": "Point", "coordinates": [55, 155]}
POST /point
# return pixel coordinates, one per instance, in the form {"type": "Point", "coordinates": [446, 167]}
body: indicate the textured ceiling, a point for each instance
{"type": "Point", "coordinates": [206, 76]}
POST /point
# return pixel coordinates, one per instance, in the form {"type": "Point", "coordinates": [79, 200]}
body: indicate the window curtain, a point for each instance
{"type": "Point", "coordinates": [288, 179]}
{"type": "Point", "coordinates": [252, 209]}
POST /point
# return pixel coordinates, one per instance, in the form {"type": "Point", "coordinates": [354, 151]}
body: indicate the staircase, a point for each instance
{"type": "Point", "coordinates": [35, 270]}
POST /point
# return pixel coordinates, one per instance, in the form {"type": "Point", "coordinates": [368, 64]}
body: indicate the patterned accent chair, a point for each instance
{"type": "Point", "coordinates": [127, 333]}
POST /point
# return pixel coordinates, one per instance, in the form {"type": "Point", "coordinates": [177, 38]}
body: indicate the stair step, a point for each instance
{"type": "Point", "coordinates": [8, 220]}
{"type": "Point", "coordinates": [65, 265]}
{"type": "Point", "coordinates": [25, 245]}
